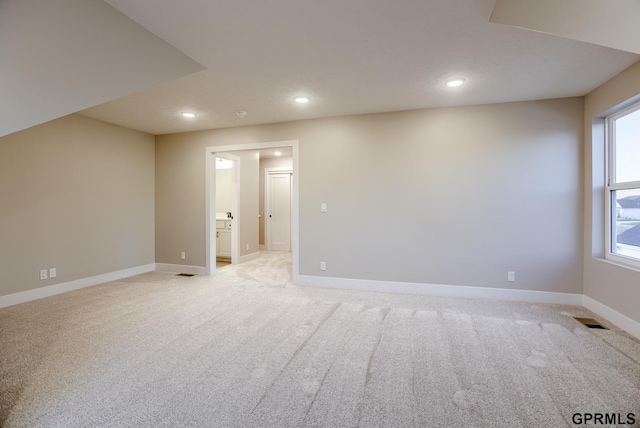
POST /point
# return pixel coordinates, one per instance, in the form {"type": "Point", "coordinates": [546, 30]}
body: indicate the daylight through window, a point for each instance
{"type": "Point", "coordinates": [623, 186]}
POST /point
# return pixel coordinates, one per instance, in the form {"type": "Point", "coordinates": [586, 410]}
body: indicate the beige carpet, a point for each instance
{"type": "Point", "coordinates": [249, 349]}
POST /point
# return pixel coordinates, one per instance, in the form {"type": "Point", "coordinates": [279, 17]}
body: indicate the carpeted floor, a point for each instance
{"type": "Point", "coordinates": [250, 349]}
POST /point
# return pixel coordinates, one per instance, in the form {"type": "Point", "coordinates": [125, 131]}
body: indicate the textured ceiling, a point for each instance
{"type": "Point", "coordinates": [349, 57]}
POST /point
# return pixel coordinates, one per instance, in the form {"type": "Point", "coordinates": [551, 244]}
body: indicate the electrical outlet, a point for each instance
{"type": "Point", "coordinates": [323, 207]}
{"type": "Point", "coordinates": [323, 265]}
{"type": "Point", "coordinates": [43, 274]}
{"type": "Point", "coordinates": [511, 276]}
{"type": "Point", "coordinates": [247, 247]}
{"type": "Point", "coordinates": [53, 272]}
{"type": "Point", "coordinates": [183, 255]}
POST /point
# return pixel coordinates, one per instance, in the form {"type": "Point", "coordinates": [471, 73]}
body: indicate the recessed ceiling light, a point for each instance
{"type": "Point", "coordinates": [241, 113]}
{"type": "Point", "coordinates": [302, 100]}
{"type": "Point", "coordinates": [455, 82]}
{"type": "Point", "coordinates": [188, 114]}
{"type": "Point", "coordinates": [277, 153]}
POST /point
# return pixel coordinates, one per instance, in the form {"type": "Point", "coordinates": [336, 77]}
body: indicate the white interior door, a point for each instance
{"type": "Point", "coordinates": [278, 212]}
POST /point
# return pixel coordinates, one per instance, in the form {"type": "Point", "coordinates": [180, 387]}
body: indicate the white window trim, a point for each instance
{"type": "Point", "coordinates": [611, 185]}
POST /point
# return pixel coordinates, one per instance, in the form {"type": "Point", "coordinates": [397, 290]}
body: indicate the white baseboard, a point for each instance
{"type": "Point", "coordinates": [624, 322]}
{"type": "Point", "coordinates": [52, 290]}
{"type": "Point", "coordinates": [442, 290]}
{"type": "Point", "coordinates": [167, 267]}
{"type": "Point", "coordinates": [248, 257]}
{"type": "Point", "coordinates": [620, 320]}
{"type": "Point", "coordinates": [198, 270]}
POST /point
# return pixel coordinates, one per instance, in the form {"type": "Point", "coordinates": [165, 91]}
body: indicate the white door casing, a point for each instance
{"type": "Point", "coordinates": [210, 208]}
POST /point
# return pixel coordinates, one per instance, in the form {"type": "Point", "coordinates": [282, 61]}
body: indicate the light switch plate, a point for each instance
{"type": "Point", "coordinates": [323, 207]}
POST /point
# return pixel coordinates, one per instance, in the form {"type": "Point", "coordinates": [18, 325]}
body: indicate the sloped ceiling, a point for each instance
{"type": "Point", "coordinates": [611, 23]}
{"type": "Point", "coordinates": [349, 57]}
{"type": "Point", "coordinates": [61, 56]}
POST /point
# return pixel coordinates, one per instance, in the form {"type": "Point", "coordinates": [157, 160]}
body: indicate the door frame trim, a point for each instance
{"type": "Point", "coordinates": [210, 199]}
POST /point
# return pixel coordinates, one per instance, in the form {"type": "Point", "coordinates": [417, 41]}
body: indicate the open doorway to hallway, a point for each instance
{"type": "Point", "coordinates": [226, 191]}
{"type": "Point", "coordinates": [267, 186]}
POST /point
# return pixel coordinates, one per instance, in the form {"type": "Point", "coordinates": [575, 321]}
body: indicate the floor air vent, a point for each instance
{"type": "Point", "coordinates": [186, 274]}
{"type": "Point", "coordinates": [591, 323]}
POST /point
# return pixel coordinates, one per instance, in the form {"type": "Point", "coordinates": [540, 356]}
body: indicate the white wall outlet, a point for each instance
{"type": "Point", "coordinates": [323, 207]}
{"type": "Point", "coordinates": [247, 247]}
{"type": "Point", "coordinates": [43, 274]}
{"type": "Point", "coordinates": [323, 265]}
{"type": "Point", "coordinates": [183, 255]}
{"type": "Point", "coordinates": [511, 276]}
{"type": "Point", "coordinates": [53, 272]}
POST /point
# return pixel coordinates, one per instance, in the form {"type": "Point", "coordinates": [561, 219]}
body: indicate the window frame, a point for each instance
{"type": "Point", "coordinates": [611, 185]}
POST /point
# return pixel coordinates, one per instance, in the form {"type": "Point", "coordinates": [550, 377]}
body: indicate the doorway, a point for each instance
{"type": "Point", "coordinates": [278, 190]}
{"type": "Point", "coordinates": [226, 201]}
{"type": "Point", "coordinates": [210, 203]}
{"type": "Point", "coordinates": [226, 185]}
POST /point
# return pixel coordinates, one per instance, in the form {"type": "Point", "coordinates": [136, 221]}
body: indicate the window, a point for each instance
{"type": "Point", "coordinates": [623, 186]}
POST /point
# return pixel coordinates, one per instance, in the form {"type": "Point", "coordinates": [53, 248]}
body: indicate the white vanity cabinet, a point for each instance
{"type": "Point", "coordinates": [223, 239]}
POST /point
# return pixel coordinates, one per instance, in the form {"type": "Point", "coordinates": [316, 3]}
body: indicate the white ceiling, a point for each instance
{"type": "Point", "coordinates": [61, 56]}
{"type": "Point", "coordinates": [285, 152]}
{"type": "Point", "coordinates": [349, 57]}
{"type": "Point", "coordinates": [612, 23]}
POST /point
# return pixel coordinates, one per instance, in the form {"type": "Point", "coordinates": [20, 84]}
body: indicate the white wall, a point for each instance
{"type": "Point", "coordinates": [249, 191]}
{"type": "Point", "coordinates": [632, 213]}
{"type": "Point", "coordinates": [400, 186]}
{"type": "Point", "coordinates": [223, 190]}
